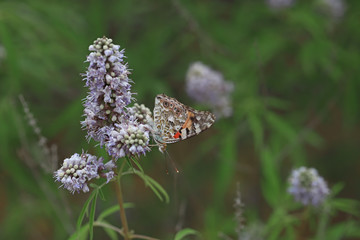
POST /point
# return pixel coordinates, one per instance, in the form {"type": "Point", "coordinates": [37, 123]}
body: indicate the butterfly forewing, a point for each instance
{"type": "Point", "coordinates": [174, 121]}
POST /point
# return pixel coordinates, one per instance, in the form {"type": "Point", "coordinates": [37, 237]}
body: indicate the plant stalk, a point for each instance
{"type": "Point", "coordinates": [121, 204]}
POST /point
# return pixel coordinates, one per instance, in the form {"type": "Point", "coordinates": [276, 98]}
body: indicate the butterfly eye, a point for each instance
{"type": "Point", "coordinates": [166, 104]}
{"type": "Point", "coordinates": [171, 105]}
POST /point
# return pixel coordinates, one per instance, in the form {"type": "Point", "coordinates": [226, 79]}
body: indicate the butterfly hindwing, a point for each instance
{"type": "Point", "coordinates": [174, 121]}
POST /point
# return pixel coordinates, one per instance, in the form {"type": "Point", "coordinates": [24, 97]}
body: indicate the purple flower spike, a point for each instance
{"type": "Point", "coordinates": [207, 86]}
{"type": "Point", "coordinates": [307, 186]}
{"type": "Point", "coordinates": [78, 170]}
{"type": "Point", "coordinates": [109, 85]}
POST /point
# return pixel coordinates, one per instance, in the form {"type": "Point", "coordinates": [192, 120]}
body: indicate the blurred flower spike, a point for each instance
{"type": "Point", "coordinates": [333, 8]}
{"type": "Point", "coordinates": [2, 53]}
{"type": "Point", "coordinates": [280, 4]}
{"type": "Point", "coordinates": [208, 86]}
{"type": "Point", "coordinates": [307, 186]}
{"type": "Point", "coordinates": [78, 170]}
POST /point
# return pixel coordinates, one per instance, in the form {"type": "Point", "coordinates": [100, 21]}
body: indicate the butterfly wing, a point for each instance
{"type": "Point", "coordinates": [175, 121]}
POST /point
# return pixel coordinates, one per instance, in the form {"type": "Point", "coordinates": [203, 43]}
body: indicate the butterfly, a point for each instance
{"type": "Point", "coordinates": [174, 121]}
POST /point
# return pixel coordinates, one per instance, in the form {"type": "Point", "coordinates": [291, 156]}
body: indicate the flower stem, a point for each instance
{"type": "Point", "coordinates": [121, 204]}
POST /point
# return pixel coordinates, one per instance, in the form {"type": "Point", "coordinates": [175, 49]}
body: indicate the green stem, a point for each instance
{"type": "Point", "coordinates": [121, 232]}
{"type": "Point", "coordinates": [323, 220]}
{"type": "Point", "coordinates": [121, 204]}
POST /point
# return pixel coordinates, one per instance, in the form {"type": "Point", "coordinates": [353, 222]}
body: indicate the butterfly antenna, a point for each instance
{"type": "Point", "coordinates": [167, 156]}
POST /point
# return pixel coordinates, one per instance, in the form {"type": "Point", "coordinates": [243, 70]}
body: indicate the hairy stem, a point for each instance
{"type": "Point", "coordinates": [121, 204]}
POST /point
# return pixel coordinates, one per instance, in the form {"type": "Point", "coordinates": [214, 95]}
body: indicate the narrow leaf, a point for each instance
{"type": "Point", "coordinates": [281, 126]}
{"type": "Point", "coordinates": [257, 129]}
{"type": "Point", "coordinates": [112, 210]}
{"type": "Point", "coordinates": [80, 234]}
{"type": "Point", "coordinates": [160, 188]}
{"type": "Point", "coordinates": [92, 216]}
{"type": "Point", "coordinates": [185, 232]}
{"type": "Point", "coordinates": [137, 164]}
{"type": "Point", "coordinates": [154, 186]}
{"type": "Point", "coordinates": [84, 210]}
{"type": "Point", "coordinates": [110, 232]}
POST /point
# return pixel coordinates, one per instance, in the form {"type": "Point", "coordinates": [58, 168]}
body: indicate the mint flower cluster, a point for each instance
{"type": "Point", "coordinates": [307, 186]}
{"type": "Point", "coordinates": [78, 170]}
{"type": "Point", "coordinates": [109, 85]}
{"type": "Point", "coordinates": [208, 86]}
{"type": "Point", "coordinates": [108, 119]}
{"type": "Point", "coordinates": [123, 130]}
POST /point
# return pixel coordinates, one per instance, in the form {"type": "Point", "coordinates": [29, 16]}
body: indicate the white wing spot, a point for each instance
{"type": "Point", "coordinates": [197, 128]}
{"type": "Point", "coordinates": [183, 134]}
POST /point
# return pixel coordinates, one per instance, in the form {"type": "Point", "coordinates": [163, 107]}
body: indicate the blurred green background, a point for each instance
{"type": "Point", "coordinates": [296, 102]}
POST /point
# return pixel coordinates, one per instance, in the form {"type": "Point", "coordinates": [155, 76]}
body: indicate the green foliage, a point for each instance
{"type": "Point", "coordinates": [296, 103]}
{"type": "Point", "coordinates": [154, 186]}
{"type": "Point", "coordinates": [185, 232]}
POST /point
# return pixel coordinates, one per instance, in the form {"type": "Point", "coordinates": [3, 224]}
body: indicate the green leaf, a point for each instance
{"type": "Point", "coordinates": [271, 185]}
{"type": "Point", "coordinates": [278, 221]}
{"type": "Point", "coordinates": [342, 230]}
{"type": "Point", "coordinates": [137, 164]}
{"type": "Point", "coordinates": [276, 102]}
{"type": "Point", "coordinates": [112, 210]}
{"type": "Point", "coordinates": [281, 126]}
{"type": "Point", "coordinates": [92, 216]}
{"type": "Point", "coordinates": [185, 232]}
{"type": "Point", "coordinates": [313, 138]}
{"type": "Point", "coordinates": [110, 232]}
{"type": "Point", "coordinates": [257, 129]}
{"type": "Point", "coordinates": [154, 186]}
{"type": "Point", "coordinates": [337, 188]}
{"type": "Point", "coordinates": [346, 205]}
{"type": "Point", "coordinates": [159, 187]}
{"type": "Point", "coordinates": [80, 234]}
{"type": "Point", "coordinates": [84, 210]}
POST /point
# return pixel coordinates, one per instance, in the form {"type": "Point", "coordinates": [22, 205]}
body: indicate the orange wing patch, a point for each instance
{"type": "Point", "coordinates": [187, 124]}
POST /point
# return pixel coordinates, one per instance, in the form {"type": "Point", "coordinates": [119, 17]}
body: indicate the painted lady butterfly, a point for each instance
{"type": "Point", "coordinates": [174, 121]}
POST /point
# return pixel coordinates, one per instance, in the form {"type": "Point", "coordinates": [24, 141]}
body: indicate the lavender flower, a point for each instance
{"type": "Point", "coordinates": [128, 139]}
{"type": "Point", "coordinates": [307, 186]}
{"type": "Point", "coordinates": [207, 86]}
{"type": "Point", "coordinates": [280, 4]}
{"type": "Point", "coordinates": [334, 8]}
{"type": "Point", "coordinates": [78, 170]}
{"type": "Point", "coordinates": [109, 85]}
